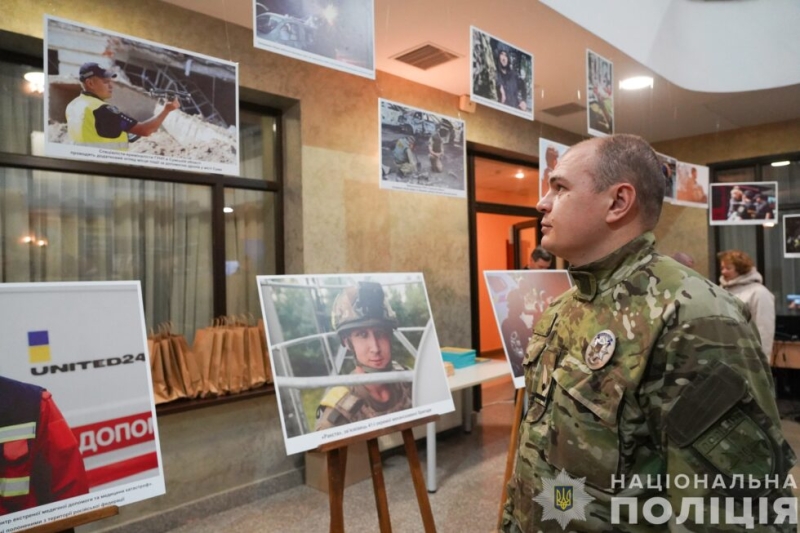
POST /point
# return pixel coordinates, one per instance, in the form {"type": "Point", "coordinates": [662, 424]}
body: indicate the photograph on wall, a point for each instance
{"type": "Point", "coordinates": [669, 167]}
{"type": "Point", "coordinates": [791, 235]}
{"type": "Point", "coordinates": [421, 151]}
{"type": "Point", "coordinates": [743, 203]}
{"type": "Point", "coordinates": [77, 421]}
{"type": "Point", "coordinates": [351, 353]}
{"type": "Point", "coordinates": [502, 75]}
{"type": "Point", "coordinates": [691, 187]}
{"type": "Point", "coordinates": [338, 34]}
{"type": "Point", "coordinates": [549, 154]}
{"type": "Point", "coordinates": [114, 98]}
{"type": "Point", "coordinates": [519, 297]}
{"type": "Point", "coordinates": [599, 94]}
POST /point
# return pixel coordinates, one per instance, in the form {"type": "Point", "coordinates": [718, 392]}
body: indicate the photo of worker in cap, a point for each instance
{"type": "Point", "coordinates": [93, 122]}
{"type": "Point", "coordinates": [364, 321]}
{"type": "Point", "coordinates": [351, 353]}
{"type": "Point", "coordinates": [502, 75]}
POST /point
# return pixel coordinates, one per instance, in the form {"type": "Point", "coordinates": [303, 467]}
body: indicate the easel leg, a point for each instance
{"type": "Point", "coordinates": [337, 464]}
{"type": "Point", "coordinates": [512, 450]}
{"type": "Point", "coordinates": [378, 486]}
{"type": "Point", "coordinates": [419, 482]}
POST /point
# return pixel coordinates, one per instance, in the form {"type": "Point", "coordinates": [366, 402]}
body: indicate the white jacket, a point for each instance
{"type": "Point", "coordinates": [750, 289]}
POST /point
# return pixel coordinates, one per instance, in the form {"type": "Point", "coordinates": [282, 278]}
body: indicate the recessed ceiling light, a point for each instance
{"type": "Point", "coordinates": [636, 82]}
{"type": "Point", "coordinates": [519, 175]}
{"type": "Point", "coordinates": [227, 210]}
{"type": "Point", "coordinates": [35, 81]}
{"type": "Point", "coordinates": [780, 163]}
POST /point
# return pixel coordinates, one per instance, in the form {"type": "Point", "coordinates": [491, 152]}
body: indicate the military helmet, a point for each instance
{"type": "Point", "coordinates": [362, 305]}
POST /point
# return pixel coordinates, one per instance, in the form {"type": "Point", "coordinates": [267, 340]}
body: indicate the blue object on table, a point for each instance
{"type": "Point", "coordinates": [459, 357]}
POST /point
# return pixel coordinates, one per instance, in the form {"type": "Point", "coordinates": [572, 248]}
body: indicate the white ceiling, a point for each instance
{"type": "Point", "coordinates": [559, 48]}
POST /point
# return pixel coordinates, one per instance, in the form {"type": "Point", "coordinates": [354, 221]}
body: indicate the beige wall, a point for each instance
{"type": "Point", "coordinates": [337, 219]}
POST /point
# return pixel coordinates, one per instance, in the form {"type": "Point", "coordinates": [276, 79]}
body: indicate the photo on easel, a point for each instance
{"type": "Point", "coordinates": [351, 353]}
{"type": "Point", "coordinates": [519, 297]}
{"type": "Point", "coordinates": [78, 429]}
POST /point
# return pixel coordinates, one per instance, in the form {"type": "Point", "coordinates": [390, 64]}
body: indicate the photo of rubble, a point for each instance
{"type": "Point", "coordinates": [422, 151]}
{"type": "Point", "coordinates": [114, 98]}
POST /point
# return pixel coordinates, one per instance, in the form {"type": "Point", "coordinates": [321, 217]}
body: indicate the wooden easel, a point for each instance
{"type": "Point", "coordinates": [337, 462]}
{"type": "Point", "coordinates": [512, 450]}
{"type": "Point", "coordinates": [66, 524]}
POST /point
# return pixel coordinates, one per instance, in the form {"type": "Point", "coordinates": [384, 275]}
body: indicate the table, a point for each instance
{"type": "Point", "coordinates": [463, 380]}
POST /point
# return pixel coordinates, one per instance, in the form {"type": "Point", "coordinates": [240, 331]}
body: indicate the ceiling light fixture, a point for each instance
{"type": "Point", "coordinates": [781, 164]}
{"type": "Point", "coordinates": [636, 82]}
{"type": "Point", "coordinates": [35, 81]}
{"type": "Point", "coordinates": [519, 175]}
{"type": "Point", "coordinates": [227, 210]}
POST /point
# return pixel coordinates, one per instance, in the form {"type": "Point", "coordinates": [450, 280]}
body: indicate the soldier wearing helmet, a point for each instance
{"type": "Point", "coordinates": [364, 321]}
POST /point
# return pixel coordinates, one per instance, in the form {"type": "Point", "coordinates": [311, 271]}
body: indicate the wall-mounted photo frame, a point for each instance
{"type": "Point", "coordinates": [549, 154]}
{"type": "Point", "coordinates": [669, 168]}
{"type": "Point", "coordinates": [519, 297]}
{"type": "Point", "coordinates": [599, 95]}
{"type": "Point", "coordinates": [421, 151]}
{"type": "Point", "coordinates": [691, 186]}
{"type": "Point", "coordinates": [351, 353]}
{"type": "Point", "coordinates": [114, 98]}
{"type": "Point", "coordinates": [791, 236]}
{"type": "Point", "coordinates": [337, 35]}
{"type": "Point", "coordinates": [743, 203]}
{"type": "Point", "coordinates": [501, 74]}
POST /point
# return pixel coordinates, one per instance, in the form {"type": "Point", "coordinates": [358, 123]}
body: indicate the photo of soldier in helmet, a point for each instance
{"type": "Point", "coordinates": [502, 75]}
{"type": "Point", "coordinates": [364, 321]}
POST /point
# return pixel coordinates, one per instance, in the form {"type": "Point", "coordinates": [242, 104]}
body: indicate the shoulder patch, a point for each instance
{"type": "Point", "coordinates": [334, 396]}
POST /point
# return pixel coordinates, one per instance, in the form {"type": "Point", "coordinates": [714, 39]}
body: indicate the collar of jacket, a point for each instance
{"type": "Point", "coordinates": [745, 279]}
{"type": "Point", "coordinates": [618, 265]}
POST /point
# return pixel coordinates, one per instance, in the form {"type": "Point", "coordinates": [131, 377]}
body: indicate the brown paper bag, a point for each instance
{"type": "Point", "coordinates": [171, 370]}
{"type": "Point", "coordinates": [190, 371]}
{"type": "Point", "coordinates": [202, 349]}
{"type": "Point", "coordinates": [236, 359]}
{"type": "Point", "coordinates": [265, 348]}
{"type": "Point", "coordinates": [160, 388]}
{"type": "Point", "coordinates": [255, 358]}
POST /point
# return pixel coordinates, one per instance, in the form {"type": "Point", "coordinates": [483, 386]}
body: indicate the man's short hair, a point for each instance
{"type": "Point", "coordinates": [540, 253]}
{"type": "Point", "coordinates": [625, 158]}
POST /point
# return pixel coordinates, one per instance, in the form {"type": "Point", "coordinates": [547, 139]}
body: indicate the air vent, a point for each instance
{"type": "Point", "coordinates": [426, 56]}
{"type": "Point", "coordinates": [564, 109]}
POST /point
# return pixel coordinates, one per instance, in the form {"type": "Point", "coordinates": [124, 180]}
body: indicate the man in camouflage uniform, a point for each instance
{"type": "Point", "coordinates": [364, 321]}
{"type": "Point", "coordinates": [643, 368]}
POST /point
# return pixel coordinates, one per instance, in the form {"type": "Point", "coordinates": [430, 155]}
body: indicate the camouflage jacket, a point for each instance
{"type": "Point", "coordinates": [686, 392]}
{"type": "Point", "coordinates": [343, 405]}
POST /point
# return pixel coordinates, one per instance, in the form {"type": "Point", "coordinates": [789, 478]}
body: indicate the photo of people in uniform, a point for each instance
{"type": "Point", "coordinates": [519, 297]}
{"type": "Point", "coordinates": [599, 94]}
{"type": "Point", "coordinates": [743, 203]}
{"type": "Point", "coordinates": [669, 167]}
{"type": "Point", "coordinates": [115, 98]}
{"type": "Point", "coordinates": [337, 34]}
{"type": "Point", "coordinates": [77, 418]}
{"type": "Point", "coordinates": [692, 185]}
{"type": "Point", "coordinates": [502, 75]}
{"type": "Point", "coordinates": [791, 235]}
{"type": "Point", "coordinates": [421, 151]}
{"type": "Point", "coordinates": [351, 353]}
{"type": "Point", "coordinates": [549, 154]}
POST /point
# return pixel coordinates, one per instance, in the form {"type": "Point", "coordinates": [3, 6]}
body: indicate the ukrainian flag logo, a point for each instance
{"type": "Point", "coordinates": [38, 346]}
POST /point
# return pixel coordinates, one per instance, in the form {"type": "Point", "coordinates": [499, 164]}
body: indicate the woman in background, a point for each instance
{"type": "Point", "coordinates": [740, 277]}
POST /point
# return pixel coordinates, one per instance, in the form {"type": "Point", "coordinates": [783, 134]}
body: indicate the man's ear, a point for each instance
{"type": "Point", "coordinates": [622, 198]}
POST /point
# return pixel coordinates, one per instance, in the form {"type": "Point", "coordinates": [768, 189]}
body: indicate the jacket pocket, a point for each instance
{"type": "Point", "coordinates": [585, 437]}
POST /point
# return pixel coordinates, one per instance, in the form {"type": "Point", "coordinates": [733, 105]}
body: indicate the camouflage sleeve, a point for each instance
{"type": "Point", "coordinates": [709, 400]}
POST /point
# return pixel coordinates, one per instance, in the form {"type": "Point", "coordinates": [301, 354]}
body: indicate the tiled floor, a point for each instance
{"type": "Point", "coordinates": [470, 470]}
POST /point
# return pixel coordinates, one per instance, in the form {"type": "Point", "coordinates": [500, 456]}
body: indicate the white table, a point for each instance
{"type": "Point", "coordinates": [463, 379]}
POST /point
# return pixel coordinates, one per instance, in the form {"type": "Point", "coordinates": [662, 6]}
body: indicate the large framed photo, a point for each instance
{"type": "Point", "coordinates": [421, 151]}
{"type": "Point", "coordinates": [791, 236]}
{"type": "Point", "coordinates": [549, 152]}
{"type": "Point", "coordinates": [338, 34]}
{"type": "Point", "coordinates": [351, 353]}
{"type": "Point", "coordinates": [519, 297]}
{"type": "Point", "coordinates": [114, 98]}
{"type": "Point", "coordinates": [743, 203]}
{"type": "Point", "coordinates": [78, 427]}
{"type": "Point", "coordinates": [599, 95]}
{"type": "Point", "coordinates": [691, 188]}
{"type": "Point", "coordinates": [502, 75]}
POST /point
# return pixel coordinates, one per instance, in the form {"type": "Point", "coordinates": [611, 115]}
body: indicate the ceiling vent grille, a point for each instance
{"type": "Point", "coordinates": [564, 109]}
{"type": "Point", "coordinates": [426, 56]}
